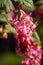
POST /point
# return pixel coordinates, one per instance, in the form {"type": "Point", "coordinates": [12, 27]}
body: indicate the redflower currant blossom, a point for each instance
{"type": "Point", "coordinates": [25, 28]}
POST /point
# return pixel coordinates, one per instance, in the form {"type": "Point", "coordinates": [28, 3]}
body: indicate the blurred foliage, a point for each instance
{"type": "Point", "coordinates": [10, 59]}
{"type": "Point", "coordinates": [3, 17]}
{"type": "Point", "coordinates": [27, 5]}
{"type": "Point", "coordinates": [6, 4]}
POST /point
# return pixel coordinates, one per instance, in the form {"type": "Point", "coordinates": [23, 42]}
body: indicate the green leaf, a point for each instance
{"type": "Point", "coordinates": [28, 4]}
{"type": "Point", "coordinates": [7, 4]}
{"type": "Point", "coordinates": [3, 17]}
{"type": "Point", "coordinates": [10, 28]}
{"type": "Point", "coordinates": [36, 38]}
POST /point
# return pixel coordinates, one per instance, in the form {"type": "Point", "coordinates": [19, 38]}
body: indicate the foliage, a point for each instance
{"type": "Point", "coordinates": [7, 4]}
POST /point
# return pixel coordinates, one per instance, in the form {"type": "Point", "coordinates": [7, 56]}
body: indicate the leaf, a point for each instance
{"type": "Point", "coordinates": [28, 4]}
{"type": "Point", "coordinates": [3, 17]}
{"type": "Point", "coordinates": [7, 4]}
{"type": "Point", "coordinates": [9, 28]}
{"type": "Point", "coordinates": [36, 38]}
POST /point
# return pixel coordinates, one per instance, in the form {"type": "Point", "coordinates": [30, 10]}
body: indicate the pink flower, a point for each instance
{"type": "Point", "coordinates": [25, 28]}
{"type": "Point", "coordinates": [25, 62]}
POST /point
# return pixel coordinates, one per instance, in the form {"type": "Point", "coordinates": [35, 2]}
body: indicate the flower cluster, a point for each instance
{"type": "Point", "coordinates": [25, 28]}
{"type": "Point", "coordinates": [33, 56]}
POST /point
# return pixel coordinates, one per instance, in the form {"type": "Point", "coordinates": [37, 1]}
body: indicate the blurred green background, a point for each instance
{"type": "Point", "coordinates": [10, 59]}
